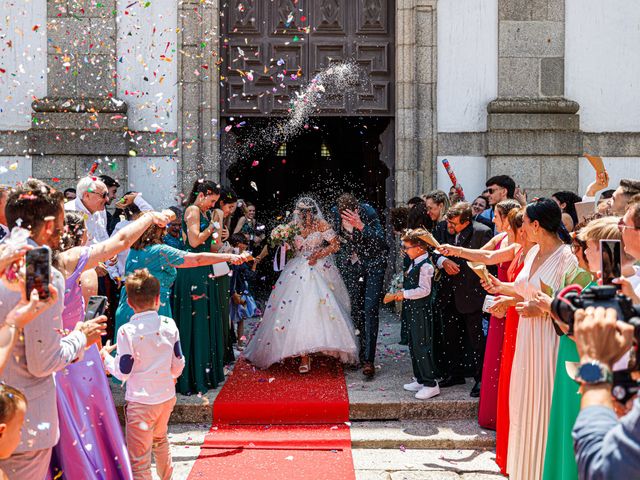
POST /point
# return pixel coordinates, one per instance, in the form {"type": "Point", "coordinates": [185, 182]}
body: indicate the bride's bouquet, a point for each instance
{"type": "Point", "coordinates": [282, 238]}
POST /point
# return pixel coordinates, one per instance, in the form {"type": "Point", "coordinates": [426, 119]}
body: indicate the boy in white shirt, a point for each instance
{"type": "Point", "coordinates": [416, 310]}
{"type": "Point", "coordinates": [149, 359]}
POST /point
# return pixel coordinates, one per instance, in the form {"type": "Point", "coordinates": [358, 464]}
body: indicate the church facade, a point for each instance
{"type": "Point", "coordinates": [157, 93]}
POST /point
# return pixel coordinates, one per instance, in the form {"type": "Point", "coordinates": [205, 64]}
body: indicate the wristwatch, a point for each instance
{"type": "Point", "coordinates": [593, 373]}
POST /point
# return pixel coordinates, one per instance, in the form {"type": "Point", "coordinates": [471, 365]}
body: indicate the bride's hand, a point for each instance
{"type": "Point", "coordinates": [313, 260]}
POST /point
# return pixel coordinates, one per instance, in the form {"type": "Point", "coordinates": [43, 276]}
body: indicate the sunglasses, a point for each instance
{"type": "Point", "coordinates": [103, 195]}
{"type": "Point", "coordinates": [493, 190]}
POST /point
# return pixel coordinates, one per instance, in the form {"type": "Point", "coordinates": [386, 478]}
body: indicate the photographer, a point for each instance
{"type": "Point", "coordinates": [605, 447]}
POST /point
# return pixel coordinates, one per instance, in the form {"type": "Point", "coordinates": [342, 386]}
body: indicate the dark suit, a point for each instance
{"type": "Point", "coordinates": [363, 278]}
{"type": "Point", "coordinates": [461, 298]}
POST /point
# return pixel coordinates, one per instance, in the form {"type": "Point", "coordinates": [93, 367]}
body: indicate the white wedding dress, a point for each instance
{"type": "Point", "coordinates": [308, 311]}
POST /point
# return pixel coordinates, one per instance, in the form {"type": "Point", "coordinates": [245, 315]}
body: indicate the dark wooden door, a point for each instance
{"type": "Point", "coordinates": [273, 47]}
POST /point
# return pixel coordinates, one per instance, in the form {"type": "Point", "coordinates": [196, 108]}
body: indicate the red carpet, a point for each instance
{"type": "Point", "coordinates": [277, 424]}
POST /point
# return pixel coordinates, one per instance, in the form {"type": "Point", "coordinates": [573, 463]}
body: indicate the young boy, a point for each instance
{"type": "Point", "coordinates": [416, 313]}
{"type": "Point", "coordinates": [13, 407]}
{"type": "Point", "coordinates": [149, 359]}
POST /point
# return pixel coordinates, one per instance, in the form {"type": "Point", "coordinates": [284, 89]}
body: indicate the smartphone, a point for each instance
{"type": "Point", "coordinates": [38, 271]}
{"type": "Point", "coordinates": [489, 301]}
{"type": "Point", "coordinates": [96, 307]}
{"type": "Point", "coordinates": [610, 260]}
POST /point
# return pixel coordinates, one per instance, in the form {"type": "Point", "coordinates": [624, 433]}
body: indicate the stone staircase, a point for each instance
{"type": "Point", "coordinates": [382, 414]}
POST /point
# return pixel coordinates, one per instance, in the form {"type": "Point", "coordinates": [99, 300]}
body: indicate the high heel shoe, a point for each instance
{"type": "Point", "coordinates": [305, 365]}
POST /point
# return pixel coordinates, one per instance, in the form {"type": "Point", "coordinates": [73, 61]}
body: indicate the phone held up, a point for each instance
{"type": "Point", "coordinates": [96, 307]}
{"type": "Point", "coordinates": [610, 260]}
{"type": "Point", "coordinates": [38, 271]}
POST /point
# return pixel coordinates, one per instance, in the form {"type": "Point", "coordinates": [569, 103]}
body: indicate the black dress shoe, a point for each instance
{"type": "Point", "coordinates": [475, 391]}
{"type": "Point", "coordinates": [451, 381]}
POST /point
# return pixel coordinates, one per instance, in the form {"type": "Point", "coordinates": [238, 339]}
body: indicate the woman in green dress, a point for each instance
{"type": "Point", "coordinates": [559, 462]}
{"type": "Point", "coordinates": [225, 208]}
{"type": "Point", "coordinates": [162, 261]}
{"type": "Point", "coordinates": [197, 306]}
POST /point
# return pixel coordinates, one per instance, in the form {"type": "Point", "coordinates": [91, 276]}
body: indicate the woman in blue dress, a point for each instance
{"type": "Point", "coordinates": [162, 261]}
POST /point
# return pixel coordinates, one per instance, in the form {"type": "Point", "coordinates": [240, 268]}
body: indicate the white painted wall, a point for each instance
{"type": "Point", "coordinates": [467, 63]}
{"type": "Point", "coordinates": [618, 168]}
{"type": "Point", "coordinates": [147, 48]}
{"type": "Point", "coordinates": [471, 173]}
{"type": "Point", "coordinates": [602, 66]}
{"type": "Point", "coordinates": [155, 178]}
{"type": "Point", "coordinates": [23, 25]}
{"type": "Point", "coordinates": [14, 170]}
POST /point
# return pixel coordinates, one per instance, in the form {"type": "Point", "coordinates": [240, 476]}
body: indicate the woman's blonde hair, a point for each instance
{"type": "Point", "coordinates": [605, 228]}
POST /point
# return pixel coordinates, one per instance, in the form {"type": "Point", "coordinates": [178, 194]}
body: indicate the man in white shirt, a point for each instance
{"type": "Point", "coordinates": [92, 196]}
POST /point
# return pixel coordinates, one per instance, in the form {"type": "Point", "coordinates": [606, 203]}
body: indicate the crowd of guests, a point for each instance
{"type": "Point", "coordinates": [518, 253]}
{"type": "Point", "coordinates": [177, 282]}
{"type": "Point", "coordinates": [182, 282]}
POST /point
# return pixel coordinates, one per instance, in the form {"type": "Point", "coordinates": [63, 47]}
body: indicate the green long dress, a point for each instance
{"type": "Point", "coordinates": [196, 310]}
{"type": "Point", "coordinates": [223, 284]}
{"type": "Point", "coordinates": [559, 458]}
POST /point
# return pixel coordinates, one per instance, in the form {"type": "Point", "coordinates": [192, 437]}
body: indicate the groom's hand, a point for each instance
{"type": "Point", "coordinates": [353, 218]}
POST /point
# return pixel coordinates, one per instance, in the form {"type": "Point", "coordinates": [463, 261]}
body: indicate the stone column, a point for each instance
{"type": "Point", "coordinates": [406, 111]}
{"type": "Point", "coordinates": [533, 130]}
{"type": "Point", "coordinates": [199, 92]}
{"type": "Point", "coordinates": [426, 77]}
{"type": "Point", "coordinates": [81, 120]}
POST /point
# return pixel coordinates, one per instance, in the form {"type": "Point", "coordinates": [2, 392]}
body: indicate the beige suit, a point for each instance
{"type": "Point", "coordinates": [40, 351]}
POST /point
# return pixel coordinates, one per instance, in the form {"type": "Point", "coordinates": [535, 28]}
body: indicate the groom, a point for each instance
{"type": "Point", "coordinates": [362, 260]}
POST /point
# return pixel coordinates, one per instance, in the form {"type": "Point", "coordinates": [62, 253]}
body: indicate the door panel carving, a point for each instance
{"type": "Point", "coordinates": [273, 48]}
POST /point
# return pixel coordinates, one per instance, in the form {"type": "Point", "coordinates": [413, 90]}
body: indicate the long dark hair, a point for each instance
{"type": "Point", "coordinates": [549, 216]}
{"type": "Point", "coordinates": [227, 196]}
{"type": "Point", "coordinates": [205, 187]}
{"type": "Point", "coordinates": [419, 218]}
{"type": "Point", "coordinates": [569, 199]}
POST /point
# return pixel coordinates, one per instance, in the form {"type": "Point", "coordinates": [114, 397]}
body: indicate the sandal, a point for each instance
{"type": "Point", "coordinates": [305, 364]}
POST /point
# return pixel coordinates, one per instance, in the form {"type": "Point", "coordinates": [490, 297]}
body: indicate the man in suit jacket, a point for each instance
{"type": "Point", "coordinates": [362, 260]}
{"type": "Point", "coordinates": [461, 295]}
{"type": "Point", "coordinates": [41, 350]}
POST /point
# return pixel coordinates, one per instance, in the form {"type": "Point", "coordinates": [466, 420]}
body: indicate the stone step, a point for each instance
{"type": "Point", "coordinates": [402, 435]}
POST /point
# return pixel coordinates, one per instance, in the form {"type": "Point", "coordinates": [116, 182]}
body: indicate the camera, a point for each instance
{"type": "Point", "coordinates": [572, 298]}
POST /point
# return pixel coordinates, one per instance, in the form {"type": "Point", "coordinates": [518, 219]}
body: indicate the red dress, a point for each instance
{"type": "Point", "coordinates": [491, 366]}
{"type": "Point", "coordinates": [508, 351]}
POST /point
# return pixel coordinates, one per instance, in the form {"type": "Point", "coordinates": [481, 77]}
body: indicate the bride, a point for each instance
{"type": "Point", "coordinates": [309, 310]}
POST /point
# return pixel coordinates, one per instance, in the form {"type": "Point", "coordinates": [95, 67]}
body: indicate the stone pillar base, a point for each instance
{"type": "Point", "coordinates": [69, 134]}
{"type": "Point", "coordinates": [536, 141]}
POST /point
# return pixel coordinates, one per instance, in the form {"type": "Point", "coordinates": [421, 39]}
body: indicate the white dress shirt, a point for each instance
{"type": "Point", "coordinates": [96, 222]}
{"type": "Point", "coordinates": [426, 274]}
{"type": "Point", "coordinates": [149, 358]}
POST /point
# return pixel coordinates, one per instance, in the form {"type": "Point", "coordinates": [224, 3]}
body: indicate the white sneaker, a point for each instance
{"type": "Point", "coordinates": [428, 392]}
{"type": "Point", "coordinates": [413, 387]}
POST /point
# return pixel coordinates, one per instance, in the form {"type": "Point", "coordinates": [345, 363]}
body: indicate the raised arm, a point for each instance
{"type": "Point", "coordinates": [488, 257]}
{"type": "Point", "coordinates": [240, 224]}
{"type": "Point", "coordinates": [205, 258]}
